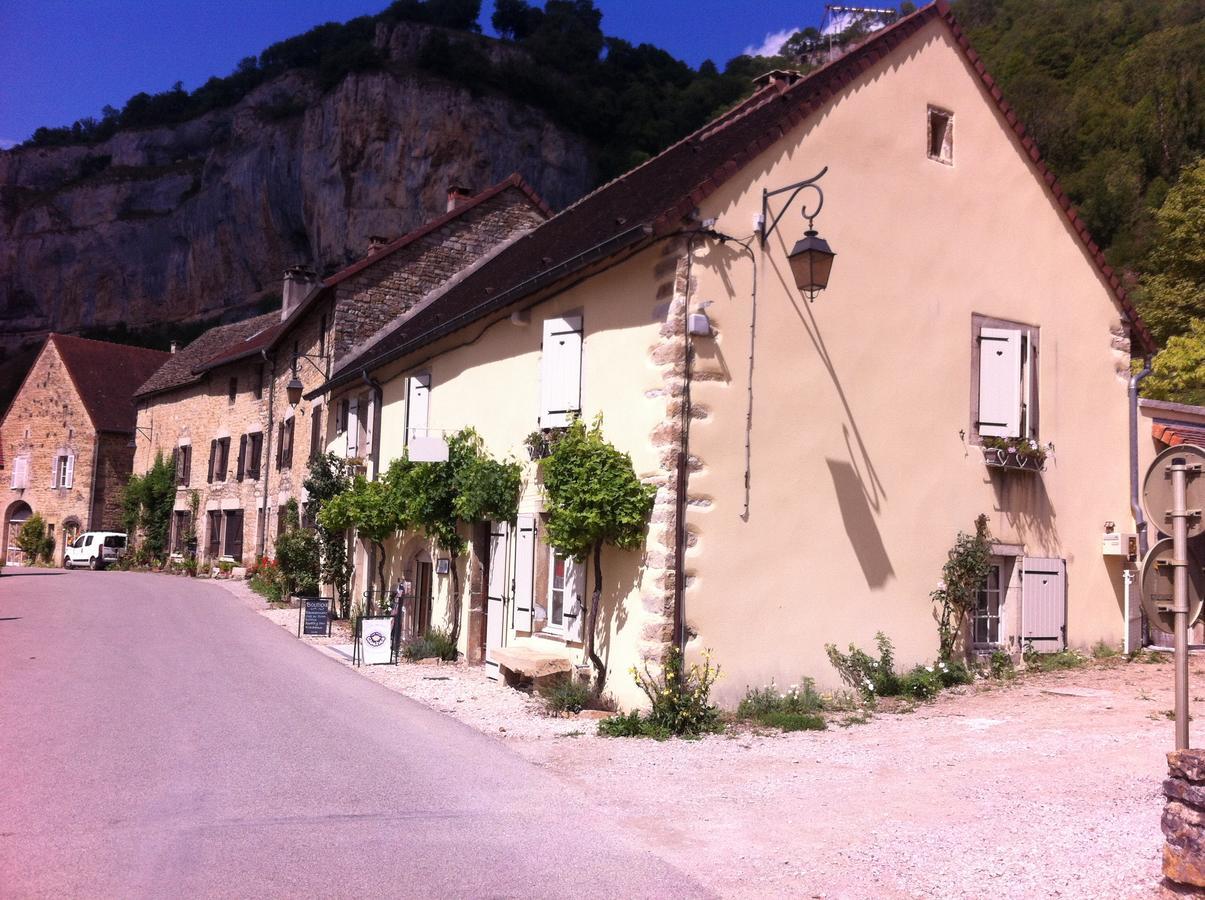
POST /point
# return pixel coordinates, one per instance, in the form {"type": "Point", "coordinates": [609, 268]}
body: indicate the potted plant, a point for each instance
{"type": "Point", "coordinates": [539, 443]}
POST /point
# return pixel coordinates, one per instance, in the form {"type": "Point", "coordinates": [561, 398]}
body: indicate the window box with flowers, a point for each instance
{"type": "Point", "coordinates": [539, 443]}
{"type": "Point", "coordinates": [1020, 454]}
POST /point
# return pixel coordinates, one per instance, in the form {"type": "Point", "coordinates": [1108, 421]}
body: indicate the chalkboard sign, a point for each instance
{"type": "Point", "coordinates": [315, 613]}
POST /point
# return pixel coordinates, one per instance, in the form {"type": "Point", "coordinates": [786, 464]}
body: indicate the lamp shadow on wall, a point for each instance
{"type": "Point", "coordinates": [860, 525]}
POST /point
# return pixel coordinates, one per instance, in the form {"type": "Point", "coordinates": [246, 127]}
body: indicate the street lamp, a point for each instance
{"type": "Point", "coordinates": [811, 259]}
{"type": "Point", "coordinates": [294, 388]}
{"type": "Point", "coordinates": [138, 430]}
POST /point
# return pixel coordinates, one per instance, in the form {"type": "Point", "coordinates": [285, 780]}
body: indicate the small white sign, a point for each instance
{"type": "Point", "coordinates": [428, 449]}
{"type": "Point", "coordinates": [375, 641]}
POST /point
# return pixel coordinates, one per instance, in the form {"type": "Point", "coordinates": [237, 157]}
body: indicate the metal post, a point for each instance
{"type": "Point", "coordinates": [1179, 470]}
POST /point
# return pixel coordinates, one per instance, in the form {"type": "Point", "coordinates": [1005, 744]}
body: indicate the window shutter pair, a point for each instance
{"type": "Point", "coordinates": [242, 458]}
{"type": "Point", "coordinates": [1003, 386]}
{"type": "Point", "coordinates": [418, 406]}
{"type": "Point", "coordinates": [561, 371]}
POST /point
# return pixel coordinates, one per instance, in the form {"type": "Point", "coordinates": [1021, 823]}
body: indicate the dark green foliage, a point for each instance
{"type": "Point", "coordinates": [790, 721]}
{"type": "Point", "coordinates": [869, 676]}
{"type": "Point", "coordinates": [962, 578]}
{"type": "Point", "coordinates": [33, 540]}
{"type": "Point", "coordinates": [921, 683]}
{"type": "Point", "coordinates": [328, 477]}
{"type": "Point", "coordinates": [565, 695]}
{"type": "Point", "coordinates": [434, 644]}
{"type": "Point", "coordinates": [632, 724]}
{"type": "Point", "coordinates": [679, 701]}
{"type": "Point", "coordinates": [147, 503]}
{"type": "Point", "coordinates": [297, 557]}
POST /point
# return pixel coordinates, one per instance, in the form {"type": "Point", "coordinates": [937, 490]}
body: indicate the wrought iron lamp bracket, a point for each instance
{"type": "Point", "coordinates": [768, 229]}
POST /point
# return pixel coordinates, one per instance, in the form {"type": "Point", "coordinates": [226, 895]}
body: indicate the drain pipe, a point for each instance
{"type": "Point", "coordinates": [1135, 503]}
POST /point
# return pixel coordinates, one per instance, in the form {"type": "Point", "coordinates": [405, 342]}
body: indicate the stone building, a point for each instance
{"type": "Point", "coordinates": [220, 407]}
{"type": "Point", "coordinates": [66, 438]}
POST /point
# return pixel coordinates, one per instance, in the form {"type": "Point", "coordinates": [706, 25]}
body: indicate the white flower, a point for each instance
{"type": "Point", "coordinates": [941, 584]}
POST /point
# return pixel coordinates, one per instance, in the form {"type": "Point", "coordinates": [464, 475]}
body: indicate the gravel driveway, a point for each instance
{"type": "Point", "coordinates": [1046, 787]}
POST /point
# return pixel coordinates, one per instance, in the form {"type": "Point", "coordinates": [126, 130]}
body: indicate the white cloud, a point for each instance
{"type": "Point", "coordinates": [7, 144]}
{"type": "Point", "coordinates": [772, 44]}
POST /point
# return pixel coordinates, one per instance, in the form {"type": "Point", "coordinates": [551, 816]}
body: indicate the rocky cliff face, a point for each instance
{"type": "Point", "coordinates": [201, 219]}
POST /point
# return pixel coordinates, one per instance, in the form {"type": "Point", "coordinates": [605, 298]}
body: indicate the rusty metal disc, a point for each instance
{"type": "Point", "coordinates": [1157, 584]}
{"type": "Point", "coordinates": [1157, 489]}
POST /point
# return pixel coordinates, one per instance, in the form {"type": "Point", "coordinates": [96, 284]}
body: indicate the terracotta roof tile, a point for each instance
{"type": "Point", "coordinates": [106, 376]}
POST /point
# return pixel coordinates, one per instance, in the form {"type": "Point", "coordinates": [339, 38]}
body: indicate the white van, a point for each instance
{"type": "Point", "coordinates": [95, 549]}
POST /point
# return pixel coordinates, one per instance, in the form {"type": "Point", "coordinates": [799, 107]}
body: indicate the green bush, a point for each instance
{"type": "Point", "coordinates": [679, 700]}
{"type": "Point", "coordinates": [921, 683]}
{"type": "Point", "coordinates": [953, 673]}
{"type": "Point", "coordinates": [34, 541]}
{"type": "Point", "coordinates": [1001, 665]}
{"type": "Point", "coordinates": [869, 676]}
{"type": "Point", "coordinates": [435, 643]}
{"type": "Point", "coordinates": [791, 721]}
{"type": "Point", "coordinates": [1053, 662]}
{"type": "Point", "coordinates": [565, 695]}
{"type": "Point", "coordinates": [763, 704]}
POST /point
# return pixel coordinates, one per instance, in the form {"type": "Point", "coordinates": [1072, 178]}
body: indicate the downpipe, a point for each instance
{"type": "Point", "coordinates": [1135, 501]}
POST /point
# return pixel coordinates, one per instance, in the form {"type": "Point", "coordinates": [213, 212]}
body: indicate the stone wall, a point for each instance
{"type": "Point", "coordinates": [1184, 818]}
{"type": "Point", "coordinates": [48, 416]}
{"type": "Point", "coordinates": [114, 463]}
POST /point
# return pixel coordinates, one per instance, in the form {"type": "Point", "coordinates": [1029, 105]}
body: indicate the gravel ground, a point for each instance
{"type": "Point", "coordinates": [1047, 787]}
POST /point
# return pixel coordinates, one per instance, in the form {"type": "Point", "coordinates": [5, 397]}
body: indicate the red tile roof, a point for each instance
{"type": "Point", "coordinates": [656, 197]}
{"type": "Point", "coordinates": [1173, 433]}
{"type": "Point", "coordinates": [106, 376]}
{"type": "Point", "coordinates": [269, 338]}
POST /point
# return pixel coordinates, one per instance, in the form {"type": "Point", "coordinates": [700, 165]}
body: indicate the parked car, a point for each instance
{"type": "Point", "coordinates": [95, 549]}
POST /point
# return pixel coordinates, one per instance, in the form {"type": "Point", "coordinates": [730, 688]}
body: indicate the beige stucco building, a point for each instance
{"type": "Point", "coordinates": [814, 460]}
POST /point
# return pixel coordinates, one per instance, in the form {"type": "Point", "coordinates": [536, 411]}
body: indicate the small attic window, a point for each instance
{"type": "Point", "coordinates": [941, 135]}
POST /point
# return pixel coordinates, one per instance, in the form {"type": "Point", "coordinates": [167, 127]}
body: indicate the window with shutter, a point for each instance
{"type": "Point", "coordinates": [213, 455]}
{"type": "Point", "coordinates": [241, 469]}
{"type": "Point", "coordinates": [257, 448]}
{"type": "Point", "coordinates": [56, 472]}
{"type": "Point", "coordinates": [561, 371]}
{"type": "Point", "coordinates": [234, 534]}
{"type": "Point", "coordinates": [353, 427]}
{"type": "Point", "coordinates": [187, 465]}
{"type": "Point", "coordinates": [214, 533]}
{"type": "Point", "coordinates": [176, 464]}
{"type": "Point", "coordinates": [315, 432]}
{"type": "Point", "coordinates": [21, 473]}
{"type": "Point", "coordinates": [418, 406]}
{"type": "Point", "coordinates": [525, 563]}
{"type": "Point", "coordinates": [1005, 368]}
{"type": "Point", "coordinates": [69, 473]}
{"type": "Point", "coordinates": [289, 443]}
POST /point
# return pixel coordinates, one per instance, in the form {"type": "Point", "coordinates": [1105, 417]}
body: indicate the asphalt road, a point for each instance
{"type": "Point", "coordinates": [160, 739]}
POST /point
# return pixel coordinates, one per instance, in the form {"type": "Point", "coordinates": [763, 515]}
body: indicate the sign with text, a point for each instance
{"type": "Point", "coordinates": [315, 616]}
{"type": "Point", "coordinates": [376, 644]}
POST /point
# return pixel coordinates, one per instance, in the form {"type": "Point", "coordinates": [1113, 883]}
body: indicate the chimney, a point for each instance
{"type": "Point", "coordinates": [174, 347]}
{"type": "Point", "coordinates": [457, 194]}
{"type": "Point", "coordinates": [375, 243]}
{"type": "Point", "coordinates": [299, 281]}
{"type": "Point", "coordinates": [781, 77]}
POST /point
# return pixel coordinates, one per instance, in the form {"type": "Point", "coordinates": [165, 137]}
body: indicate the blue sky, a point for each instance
{"type": "Point", "coordinates": [61, 60]}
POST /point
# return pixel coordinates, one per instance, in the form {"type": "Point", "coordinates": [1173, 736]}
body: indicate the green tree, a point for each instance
{"type": "Point", "coordinates": [1173, 285]}
{"type": "Point", "coordinates": [374, 509]}
{"type": "Point", "coordinates": [594, 499]}
{"type": "Point", "coordinates": [328, 478]}
{"type": "Point", "coordinates": [147, 503]}
{"type": "Point", "coordinates": [296, 551]}
{"type": "Point", "coordinates": [963, 576]}
{"type": "Point", "coordinates": [33, 540]}
{"type": "Point", "coordinates": [1178, 373]}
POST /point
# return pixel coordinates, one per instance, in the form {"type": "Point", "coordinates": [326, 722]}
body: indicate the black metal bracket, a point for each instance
{"type": "Point", "coordinates": [309, 357]}
{"type": "Point", "coordinates": [768, 229]}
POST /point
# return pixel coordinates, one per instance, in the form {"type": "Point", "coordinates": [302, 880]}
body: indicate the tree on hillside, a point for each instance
{"type": "Point", "coordinates": [594, 499]}
{"type": "Point", "coordinates": [1173, 284]}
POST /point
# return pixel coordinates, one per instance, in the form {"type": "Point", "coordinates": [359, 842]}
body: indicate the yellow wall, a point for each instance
{"type": "Point", "coordinates": [861, 469]}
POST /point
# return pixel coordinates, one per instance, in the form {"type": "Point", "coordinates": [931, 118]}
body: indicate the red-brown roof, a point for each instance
{"type": "Point", "coordinates": [268, 338]}
{"type": "Point", "coordinates": [182, 366]}
{"type": "Point", "coordinates": [657, 196]}
{"type": "Point", "coordinates": [106, 376]}
{"type": "Point", "coordinates": [1173, 433]}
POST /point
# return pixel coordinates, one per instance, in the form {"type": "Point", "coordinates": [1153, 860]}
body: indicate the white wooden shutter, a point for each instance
{"type": "Point", "coordinates": [561, 371]}
{"type": "Point", "coordinates": [1000, 382]}
{"type": "Point", "coordinates": [495, 611]}
{"type": "Point", "coordinates": [21, 472]}
{"type": "Point", "coordinates": [54, 471]}
{"type": "Point", "coordinates": [70, 470]}
{"type": "Point", "coordinates": [525, 570]}
{"type": "Point", "coordinates": [575, 594]}
{"type": "Point", "coordinates": [353, 427]}
{"type": "Point", "coordinates": [1043, 603]}
{"type": "Point", "coordinates": [418, 406]}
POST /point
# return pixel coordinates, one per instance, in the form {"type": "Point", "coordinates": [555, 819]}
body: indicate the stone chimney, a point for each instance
{"type": "Point", "coordinates": [299, 281]}
{"type": "Point", "coordinates": [175, 347]}
{"type": "Point", "coordinates": [457, 194]}
{"type": "Point", "coordinates": [375, 243]}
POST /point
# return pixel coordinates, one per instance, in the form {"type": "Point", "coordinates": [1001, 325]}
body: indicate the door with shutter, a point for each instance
{"type": "Point", "coordinates": [525, 571]}
{"type": "Point", "coordinates": [495, 606]}
{"type": "Point", "coordinates": [1000, 382]}
{"type": "Point", "coordinates": [561, 371]}
{"type": "Point", "coordinates": [1043, 603]}
{"type": "Point", "coordinates": [575, 596]}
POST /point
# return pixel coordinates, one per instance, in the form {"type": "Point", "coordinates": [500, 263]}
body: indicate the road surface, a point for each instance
{"type": "Point", "coordinates": [160, 739]}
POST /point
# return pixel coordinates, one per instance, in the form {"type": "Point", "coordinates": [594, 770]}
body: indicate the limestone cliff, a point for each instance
{"type": "Point", "coordinates": [201, 219]}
